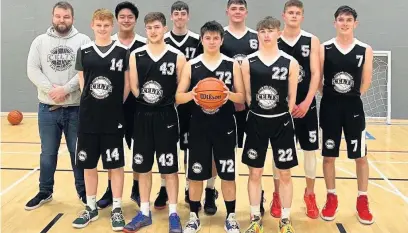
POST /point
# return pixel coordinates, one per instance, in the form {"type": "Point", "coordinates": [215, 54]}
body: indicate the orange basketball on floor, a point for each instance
{"type": "Point", "coordinates": [210, 93]}
{"type": "Point", "coordinates": [15, 117]}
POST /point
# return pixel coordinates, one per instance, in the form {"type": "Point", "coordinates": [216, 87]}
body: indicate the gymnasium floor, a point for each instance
{"type": "Point", "coordinates": [388, 189]}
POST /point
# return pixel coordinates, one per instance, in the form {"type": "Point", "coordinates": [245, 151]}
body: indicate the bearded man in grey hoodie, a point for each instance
{"type": "Point", "coordinates": [51, 67]}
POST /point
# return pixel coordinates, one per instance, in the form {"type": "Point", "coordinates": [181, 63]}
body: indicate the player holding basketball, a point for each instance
{"type": "Point", "coordinates": [346, 65]}
{"type": "Point", "coordinates": [304, 47]}
{"type": "Point", "coordinates": [154, 72]}
{"type": "Point", "coordinates": [212, 132]}
{"type": "Point", "coordinates": [104, 82]}
{"type": "Point", "coordinates": [270, 77]}
{"type": "Point", "coordinates": [126, 14]}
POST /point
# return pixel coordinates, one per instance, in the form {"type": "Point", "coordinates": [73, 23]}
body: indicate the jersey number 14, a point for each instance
{"type": "Point", "coordinates": [118, 64]}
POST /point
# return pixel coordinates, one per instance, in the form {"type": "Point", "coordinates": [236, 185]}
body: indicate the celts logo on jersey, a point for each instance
{"type": "Point", "coordinates": [152, 92]}
{"type": "Point", "coordinates": [61, 58]}
{"type": "Point", "coordinates": [301, 74]}
{"type": "Point", "coordinates": [267, 97]}
{"type": "Point", "coordinates": [239, 58]}
{"type": "Point", "coordinates": [101, 87]}
{"type": "Point", "coordinates": [343, 82]}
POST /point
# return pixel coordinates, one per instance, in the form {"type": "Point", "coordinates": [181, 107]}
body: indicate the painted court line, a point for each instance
{"type": "Point", "coordinates": [341, 228]}
{"type": "Point", "coordinates": [19, 181]}
{"type": "Point", "coordinates": [52, 223]}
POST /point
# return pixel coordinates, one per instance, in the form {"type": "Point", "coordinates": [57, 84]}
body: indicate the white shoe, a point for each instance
{"type": "Point", "coordinates": [193, 225]}
{"type": "Point", "coordinates": [231, 224]}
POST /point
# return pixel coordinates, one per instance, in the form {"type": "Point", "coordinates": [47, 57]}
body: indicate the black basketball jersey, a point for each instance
{"type": "Point", "coordinates": [157, 76]}
{"type": "Point", "coordinates": [190, 46]}
{"type": "Point", "coordinates": [224, 70]}
{"type": "Point", "coordinates": [269, 84]}
{"type": "Point", "coordinates": [137, 42]}
{"type": "Point", "coordinates": [343, 68]}
{"type": "Point", "coordinates": [300, 50]}
{"type": "Point", "coordinates": [239, 47]}
{"type": "Point", "coordinates": [101, 109]}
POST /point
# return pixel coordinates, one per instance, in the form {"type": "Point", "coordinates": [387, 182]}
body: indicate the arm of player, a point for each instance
{"type": "Point", "coordinates": [246, 79]}
{"type": "Point", "coordinates": [321, 52]}
{"type": "Point", "coordinates": [81, 80]}
{"type": "Point", "coordinates": [181, 61]}
{"type": "Point", "coordinates": [182, 96]}
{"type": "Point", "coordinates": [133, 76]}
{"type": "Point", "coordinates": [126, 88]}
{"type": "Point", "coordinates": [239, 95]}
{"type": "Point", "coordinates": [293, 81]}
{"type": "Point", "coordinates": [367, 71]}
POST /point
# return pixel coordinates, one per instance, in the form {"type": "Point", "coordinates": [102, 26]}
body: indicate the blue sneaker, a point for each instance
{"type": "Point", "coordinates": [175, 224]}
{"type": "Point", "coordinates": [138, 222]}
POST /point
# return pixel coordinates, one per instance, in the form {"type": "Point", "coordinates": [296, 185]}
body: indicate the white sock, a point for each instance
{"type": "Point", "coordinates": [360, 193]}
{"type": "Point", "coordinates": [255, 210]}
{"type": "Point", "coordinates": [117, 203]}
{"type": "Point", "coordinates": [172, 209]}
{"type": "Point", "coordinates": [285, 213]}
{"type": "Point", "coordinates": [187, 184]}
{"type": "Point", "coordinates": [145, 208]}
{"type": "Point", "coordinates": [163, 182]}
{"type": "Point", "coordinates": [91, 202]}
{"type": "Point", "coordinates": [333, 191]}
{"type": "Point", "coordinates": [211, 183]}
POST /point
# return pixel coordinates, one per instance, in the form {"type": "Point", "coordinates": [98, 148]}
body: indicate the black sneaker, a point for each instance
{"type": "Point", "coordinates": [209, 203]}
{"type": "Point", "coordinates": [106, 200]}
{"type": "Point", "coordinates": [262, 201]}
{"type": "Point", "coordinates": [161, 200]}
{"type": "Point", "coordinates": [135, 196]}
{"type": "Point", "coordinates": [38, 200]}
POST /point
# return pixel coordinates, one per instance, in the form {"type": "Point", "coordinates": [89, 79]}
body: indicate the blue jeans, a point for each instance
{"type": "Point", "coordinates": [51, 124]}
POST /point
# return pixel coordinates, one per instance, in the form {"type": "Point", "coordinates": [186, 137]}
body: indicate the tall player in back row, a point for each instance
{"type": "Point", "coordinates": [347, 66]}
{"type": "Point", "coordinates": [270, 78]}
{"type": "Point", "coordinates": [212, 132]}
{"type": "Point", "coordinates": [304, 47]}
{"type": "Point", "coordinates": [154, 72]}
{"type": "Point", "coordinates": [104, 82]}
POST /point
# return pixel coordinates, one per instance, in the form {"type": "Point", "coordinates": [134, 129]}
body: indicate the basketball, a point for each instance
{"type": "Point", "coordinates": [210, 93]}
{"type": "Point", "coordinates": [15, 117]}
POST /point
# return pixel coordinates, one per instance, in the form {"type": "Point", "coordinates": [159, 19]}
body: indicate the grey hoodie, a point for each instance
{"type": "Point", "coordinates": [51, 60]}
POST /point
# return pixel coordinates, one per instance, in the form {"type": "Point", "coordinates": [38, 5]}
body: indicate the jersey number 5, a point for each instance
{"type": "Point", "coordinates": [115, 64]}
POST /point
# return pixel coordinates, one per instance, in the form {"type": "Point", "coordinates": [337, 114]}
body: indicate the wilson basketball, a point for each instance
{"type": "Point", "coordinates": [210, 93]}
{"type": "Point", "coordinates": [15, 117]}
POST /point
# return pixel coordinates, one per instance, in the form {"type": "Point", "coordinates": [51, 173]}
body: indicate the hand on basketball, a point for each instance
{"type": "Point", "coordinates": [194, 94]}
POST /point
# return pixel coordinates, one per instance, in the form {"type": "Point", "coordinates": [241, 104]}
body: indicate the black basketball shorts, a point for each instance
{"type": "Point", "coordinates": [279, 131]}
{"type": "Point", "coordinates": [345, 114]}
{"type": "Point", "coordinates": [212, 137]}
{"type": "Point", "coordinates": [184, 114]}
{"type": "Point", "coordinates": [129, 108]}
{"type": "Point", "coordinates": [307, 129]}
{"type": "Point", "coordinates": [91, 146]}
{"type": "Point", "coordinates": [156, 132]}
{"type": "Point", "coordinates": [241, 121]}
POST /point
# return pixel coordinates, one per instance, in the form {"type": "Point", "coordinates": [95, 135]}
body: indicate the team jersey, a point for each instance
{"type": "Point", "coordinates": [101, 109]}
{"type": "Point", "coordinates": [343, 68]}
{"type": "Point", "coordinates": [269, 84]}
{"type": "Point", "coordinates": [239, 47]}
{"type": "Point", "coordinates": [224, 70]}
{"type": "Point", "coordinates": [300, 50]}
{"type": "Point", "coordinates": [157, 76]}
{"type": "Point", "coordinates": [137, 42]}
{"type": "Point", "coordinates": [188, 44]}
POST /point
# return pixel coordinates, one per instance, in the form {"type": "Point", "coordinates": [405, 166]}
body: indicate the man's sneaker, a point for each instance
{"type": "Point", "coordinates": [276, 207]}
{"type": "Point", "coordinates": [138, 222]}
{"type": "Point", "coordinates": [117, 219]}
{"type": "Point", "coordinates": [262, 209]}
{"type": "Point", "coordinates": [231, 224]}
{"type": "Point", "coordinates": [38, 200]}
{"type": "Point", "coordinates": [175, 224]}
{"type": "Point", "coordinates": [193, 225]}
{"type": "Point", "coordinates": [161, 200]}
{"type": "Point", "coordinates": [135, 196]}
{"type": "Point", "coordinates": [255, 226]}
{"type": "Point", "coordinates": [311, 207]}
{"type": "Point", "coordinates": [210, 208]}
{"type": "Point", "coordinates": [330, 208]}
{"type": "Point", "coordinates": [285, 226]}
{"type": "Point", "coordinates": [106, 200]}
{"type": "Point", "coordinates": [85, 217]}
{"type": "Point", "coordinates": [363, 211]}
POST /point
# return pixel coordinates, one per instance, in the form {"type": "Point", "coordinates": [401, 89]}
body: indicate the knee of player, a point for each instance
{"type": "Point", "coordinates": [172, 176]}
{"type": "Point", "coordinates": [328, 160]}
{"type": "Point", "coordinates": [285, 176]}
{"type": "Point", "coordinates": [255, 174]}
{"type": "Point", "coordinates": [116, 171]}
{"type": "Point", "coordinates": [362, 161]}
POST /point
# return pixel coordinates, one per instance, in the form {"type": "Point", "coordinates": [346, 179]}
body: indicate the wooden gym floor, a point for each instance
{"type": "Point", "coordinates": [388, 189]}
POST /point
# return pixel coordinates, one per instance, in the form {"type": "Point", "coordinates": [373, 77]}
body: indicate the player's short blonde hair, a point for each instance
{"type": "Point", "coordinates": [268, 22]}
{"type": "Point", "coordinates": [103, 14]}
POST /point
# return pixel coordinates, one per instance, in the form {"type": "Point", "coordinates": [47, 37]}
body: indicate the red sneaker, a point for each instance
{"type": "Point", "coordinates": [330, 208]}
{"type": "Point", "coordinates": [276, 208]}
{"type": "Point", "coordinates": [363, 211]}
{"type": "Point", "coordinates": [311, 207]}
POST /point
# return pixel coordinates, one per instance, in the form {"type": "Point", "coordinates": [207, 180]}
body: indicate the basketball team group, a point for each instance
{"type": "Point", "coordinates": [207, 94]}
